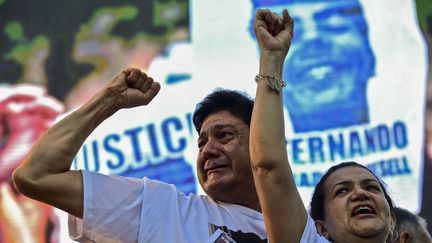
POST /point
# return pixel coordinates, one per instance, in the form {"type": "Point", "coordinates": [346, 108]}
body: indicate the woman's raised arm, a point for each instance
{"type": "Point", "coordinates": [284, 213]}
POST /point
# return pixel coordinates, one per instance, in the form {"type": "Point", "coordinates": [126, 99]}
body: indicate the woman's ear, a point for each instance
{"type": "Point", "coordinates": [393, 233]}
{"type": "Point", "coordinates": [393, 221]}
{"type": "Point", "coordinates": [320, 226]}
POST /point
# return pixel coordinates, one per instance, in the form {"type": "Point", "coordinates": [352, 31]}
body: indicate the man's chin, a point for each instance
{"type": "Point", "coordinates": [217, 188]}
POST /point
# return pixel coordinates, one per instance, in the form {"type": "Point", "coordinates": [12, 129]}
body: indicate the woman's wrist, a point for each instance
{"type": "Point", "coordinates": [277, 55]}
{"type": "Point", "coordinates": [271, 65]}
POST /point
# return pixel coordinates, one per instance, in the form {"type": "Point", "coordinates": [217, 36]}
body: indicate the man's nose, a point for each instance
{"type": "Point", "coordinates": [210, 150]}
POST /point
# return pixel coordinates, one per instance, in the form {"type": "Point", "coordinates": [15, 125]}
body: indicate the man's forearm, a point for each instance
{"type": "Point", "coordinates": [57, 147]}
{"type": "Point", "coordinates": [45, 173]}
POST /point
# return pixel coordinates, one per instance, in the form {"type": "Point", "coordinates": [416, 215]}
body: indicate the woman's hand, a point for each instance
{"type": "Point", "coordinates": [274, 33]}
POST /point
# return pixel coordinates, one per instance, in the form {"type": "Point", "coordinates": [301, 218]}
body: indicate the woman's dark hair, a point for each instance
{"type": "Point", "coordinates": [237, 103]}
{"type": "Point", "coordinates": [317, 202]}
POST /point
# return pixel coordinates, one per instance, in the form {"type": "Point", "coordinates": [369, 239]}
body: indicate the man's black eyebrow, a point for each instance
{"type": "Point", "coordinates": [218, 127]}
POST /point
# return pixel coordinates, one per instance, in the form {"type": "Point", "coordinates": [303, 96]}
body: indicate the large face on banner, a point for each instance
{"type": "Point", "coordinates": [329, 64]}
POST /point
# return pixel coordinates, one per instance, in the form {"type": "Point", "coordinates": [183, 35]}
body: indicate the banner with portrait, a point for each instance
{"type": "Point", "coordinates": [355, 79]}
{"type": "Point", "coordinates": [356, 83]}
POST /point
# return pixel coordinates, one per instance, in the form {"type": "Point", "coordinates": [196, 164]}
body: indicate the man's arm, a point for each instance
{"type": "Point", "coordinates": [45, 173]}
{"type": "Point", "coordinates": [284, 213]}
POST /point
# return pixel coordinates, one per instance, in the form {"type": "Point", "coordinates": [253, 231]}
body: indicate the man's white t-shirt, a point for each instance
{"type": "Point", "coordinates": [120, 209]}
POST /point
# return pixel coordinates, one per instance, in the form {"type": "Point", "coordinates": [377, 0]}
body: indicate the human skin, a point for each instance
{"type": "Point", "coordinates": [419, 235]}
{"type": "Point", "coordinates": [45, 175]}
{"type": "Point", "coordinates": [223, 162]}
{"type": "Point", "coordinates": [279, 198]}
{"type": "Point", "coordinates": [345, 190]}
{"type": "Point", "coordinates": [277, 191]}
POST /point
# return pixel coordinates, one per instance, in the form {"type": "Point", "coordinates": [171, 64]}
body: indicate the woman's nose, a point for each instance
{"type": "Point", "coordinates": [360, 194]}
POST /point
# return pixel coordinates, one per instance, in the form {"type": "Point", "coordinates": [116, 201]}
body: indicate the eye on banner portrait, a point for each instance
{"type": "Point", "coordinates": [356, 77]}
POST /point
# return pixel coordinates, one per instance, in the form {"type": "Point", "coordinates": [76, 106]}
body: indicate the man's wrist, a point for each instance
{"type": "Point", "coordinates": [105, 102]}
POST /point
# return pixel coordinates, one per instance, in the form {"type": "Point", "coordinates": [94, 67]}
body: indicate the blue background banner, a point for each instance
{"type": "Point", "coordinates": [356, 89]}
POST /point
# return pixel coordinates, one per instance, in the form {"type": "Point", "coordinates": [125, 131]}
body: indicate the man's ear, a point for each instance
{"type": "Point", "coordinates": [403, 237]}
{"type": "Point", "coordinates": [320, 226]}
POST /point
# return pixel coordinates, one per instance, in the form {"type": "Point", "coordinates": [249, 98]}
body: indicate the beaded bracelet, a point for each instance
{"type": "Point", "coordinates": [274, 83]}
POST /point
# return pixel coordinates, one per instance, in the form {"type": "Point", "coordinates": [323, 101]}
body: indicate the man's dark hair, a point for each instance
{"type": "Point", "coordinates": [317, 202]}
{"type": "Point", "coordinates": [405, 220]}
{"type": "Point", "coordinates": [239, 104]}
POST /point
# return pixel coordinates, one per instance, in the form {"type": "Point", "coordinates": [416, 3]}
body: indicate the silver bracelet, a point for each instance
{"type": "Point", "coordinates": [274, 83]}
